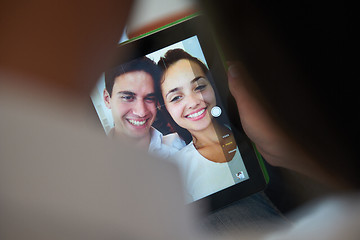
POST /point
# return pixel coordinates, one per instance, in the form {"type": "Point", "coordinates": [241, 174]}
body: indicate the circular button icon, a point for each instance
{"type": "Point", "coordinates": [216, 111]}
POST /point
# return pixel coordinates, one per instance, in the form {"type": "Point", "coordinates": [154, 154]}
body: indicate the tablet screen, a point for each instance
{"type": "Point", "coordinates": [167, 102]}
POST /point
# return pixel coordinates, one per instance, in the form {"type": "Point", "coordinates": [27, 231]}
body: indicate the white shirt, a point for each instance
{"type": "Point", "coordinates": [328, 219]}
{"type": "Point", "coordinates": [160, 145]}
{"type": "Point", "coordinates": [203, 177]}
{"type": "Point", "coordinates": [164, 146]}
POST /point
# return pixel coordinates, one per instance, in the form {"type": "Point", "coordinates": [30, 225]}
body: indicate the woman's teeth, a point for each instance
{"type": "Point", "coordinates": [137, 123]}
{"type": "Point", "coordinates": [196, 114]}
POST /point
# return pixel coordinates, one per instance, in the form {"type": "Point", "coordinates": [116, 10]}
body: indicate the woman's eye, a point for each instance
{"type": "Point", "coordinates": [175, 99]}
{"type": "Point", "coordinates": [200, 87]}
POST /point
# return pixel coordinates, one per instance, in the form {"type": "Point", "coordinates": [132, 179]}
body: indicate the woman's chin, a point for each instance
{"type": "Point", "coordinates": [198, 125]}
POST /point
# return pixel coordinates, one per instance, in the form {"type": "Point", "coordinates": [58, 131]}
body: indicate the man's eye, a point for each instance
{"type": "Point", "coordinates": [127, 98]}
{"type": "Point", "coordinates": [176, 99]}
{"type": "Point", "coordinates": [150, 99]}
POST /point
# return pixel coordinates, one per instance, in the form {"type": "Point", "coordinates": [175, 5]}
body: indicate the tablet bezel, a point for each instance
{"type": "Point", "coordinates": [176, 32]}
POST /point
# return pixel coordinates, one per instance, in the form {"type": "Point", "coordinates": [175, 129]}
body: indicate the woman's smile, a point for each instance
{"type": "Point", "coordinates": [197, 115]}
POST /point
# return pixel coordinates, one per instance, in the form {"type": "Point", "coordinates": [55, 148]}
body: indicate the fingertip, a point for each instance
{"type": "Point", "coordinates": [233, 71]}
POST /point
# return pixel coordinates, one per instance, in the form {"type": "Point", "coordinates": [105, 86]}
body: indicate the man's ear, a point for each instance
{"type": "Point", "coordinates": [106, 97]}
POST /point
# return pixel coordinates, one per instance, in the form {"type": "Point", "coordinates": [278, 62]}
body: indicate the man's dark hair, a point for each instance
{"type": "Point", "coordinates": [139, 64]}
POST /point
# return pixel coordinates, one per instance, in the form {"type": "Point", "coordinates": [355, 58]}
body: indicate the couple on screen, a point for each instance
{"type": "Point", "coordinates": [179, 88]}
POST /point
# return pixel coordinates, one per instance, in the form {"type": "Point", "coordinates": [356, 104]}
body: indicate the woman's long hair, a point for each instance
{"type": "Point", "coordinates": [170, 58]}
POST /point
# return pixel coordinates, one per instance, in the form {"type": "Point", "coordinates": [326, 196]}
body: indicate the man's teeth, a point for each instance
{"type": "Point", "coordinates": [137, 123]}
{"type": "Point", "coordinates": [196, 114]}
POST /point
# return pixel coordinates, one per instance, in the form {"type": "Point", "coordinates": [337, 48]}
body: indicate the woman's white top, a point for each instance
{"type": "Point", "coordinates": [203, 177]}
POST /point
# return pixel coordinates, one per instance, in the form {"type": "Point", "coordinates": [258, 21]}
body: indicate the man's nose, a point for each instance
{"type": "Point", "coordinates": [140, 109]}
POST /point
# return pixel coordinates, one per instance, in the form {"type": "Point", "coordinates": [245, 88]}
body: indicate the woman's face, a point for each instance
{"type": "Point", "coordinates": [188, 95]}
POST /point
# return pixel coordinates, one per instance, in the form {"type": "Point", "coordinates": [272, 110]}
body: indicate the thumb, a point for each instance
{"type": "Point", "coordinates": [234, 77]}
{"type": "Point", "coordinates": [240, 84]}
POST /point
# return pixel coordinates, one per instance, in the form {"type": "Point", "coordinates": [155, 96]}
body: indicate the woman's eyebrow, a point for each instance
{"type": "Point", "coordinates": [172, 90]}
{"type": "Point", "coordinates": [197, 79]}
{"type": "Point", "coordinates": [192, 81]}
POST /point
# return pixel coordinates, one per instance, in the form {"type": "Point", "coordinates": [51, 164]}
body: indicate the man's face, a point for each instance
{"type": "Point", "coordinates": [133, 104]}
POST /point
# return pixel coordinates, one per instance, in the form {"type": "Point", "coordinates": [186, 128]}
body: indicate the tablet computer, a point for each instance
{"type": "Point", "coordinates": [167, 92]}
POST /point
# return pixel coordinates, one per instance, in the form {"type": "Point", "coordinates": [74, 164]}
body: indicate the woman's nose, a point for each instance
{"type": "Point", "coordinates": [193, 100]}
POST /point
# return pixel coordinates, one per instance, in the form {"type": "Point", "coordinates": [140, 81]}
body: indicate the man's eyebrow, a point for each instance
{"type": "Point", "coordinates": [151, 95]}
{"type": "Point", "coordinates": [126, 93]}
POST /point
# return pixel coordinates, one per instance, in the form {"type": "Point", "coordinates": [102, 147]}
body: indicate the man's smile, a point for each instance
{"type": "Point", "coordinates": [137, 122]}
